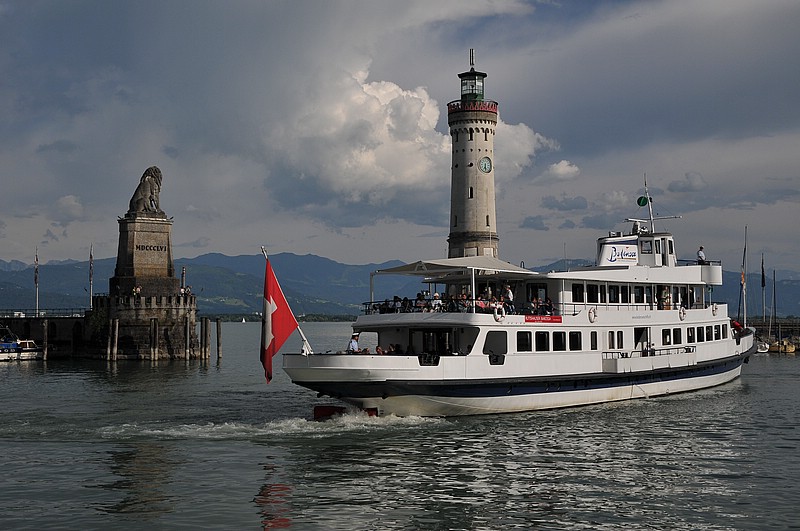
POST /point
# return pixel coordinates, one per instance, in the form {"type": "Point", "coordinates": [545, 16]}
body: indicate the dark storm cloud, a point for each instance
{"type": "Point", "coordinates": [565, 203]}
{"type": "Point", "coordinates": [534, 222]}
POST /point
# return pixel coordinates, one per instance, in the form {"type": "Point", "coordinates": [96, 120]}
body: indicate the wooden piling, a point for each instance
{"type": "Point", "coordinates": [187, 339]}
{"type": "Point", "coordinates": [45, 340]}
{"type": "Point", "coordinates": [207, 350]}
{"type": "Point", "coordinates": [115, 340]}
{"type": "Point", "coordinates": [219, 340]}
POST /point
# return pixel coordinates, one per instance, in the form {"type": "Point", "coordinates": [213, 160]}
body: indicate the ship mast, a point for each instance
{"type": "Point", "coordinates": [646, 200]}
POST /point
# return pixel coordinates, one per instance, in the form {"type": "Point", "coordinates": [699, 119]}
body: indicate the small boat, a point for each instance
{"type": "Point", "coordinates": [762, 347]}
{"type": "Point", "coordinates": [12, 348]}
{"type": "Point", "coordinates": [783, 346]}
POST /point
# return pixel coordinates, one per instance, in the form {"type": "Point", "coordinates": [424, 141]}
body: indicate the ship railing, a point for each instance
{"type": "Point", "coordinates": [687, 262]}
{"type": "Point", "coordinates": [432, 304]}
{"type": "Point", "coordinates": [648, 352]}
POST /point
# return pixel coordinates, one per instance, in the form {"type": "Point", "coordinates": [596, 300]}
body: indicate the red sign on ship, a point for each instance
{"type": "Point", "coordinates": [542, 318]}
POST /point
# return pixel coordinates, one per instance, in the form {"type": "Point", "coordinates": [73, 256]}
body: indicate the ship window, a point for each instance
{"type": "Point", "coordinates": [613, 294]}
{"type": "Point", "coordinates": [496, 342]}
{"type": "Point", "coordinates": [593, 339]}
{"type": "Point", "coordinates": [671, 246]}
{"type": "Point", "coordinates": [524, 343]}
{"type": "Point", "coordinates": [676, 336]}
{"type": "Point", "coordinates": [603, 293]}
{"type": "Point", "coordinates": [690, 334]}
{"type": "Point", "coordinates": [625, 294]}
{"type": "Point", "coordinates": [724, 331]}
{"type": "Point", "coordinates": [591, 292]}
{"type": "Point", "coordinates": [542, 341]}
{"type": "Point", "coordinates": [666, 337]}
{"type": "Point", "coordinates": [647, 247]}
{"type": "Point", "coordinates": [577, 293]}
{"type": "Point", "coordinates": [701, 334]}
{"type": "Point", "coordinates": [559, 341]}
{"type": "Point", "coordinates": [717, 332]}
{"type": "Point", "coordinates": [610, 339]}
{"type": "Point", "coordinates": [619, 339]}
{"type": "Point", "coordinates": [575, 341]}
{"type": "Point", "coordinates": [638, 294]}
{"type": "Point", "coordinates": [658, 246]}
{"type": "Point", "coordinates": [709, 333]}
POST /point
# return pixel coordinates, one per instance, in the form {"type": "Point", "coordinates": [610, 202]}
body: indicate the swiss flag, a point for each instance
{"type": "Point", "coordinates": [277, 321]}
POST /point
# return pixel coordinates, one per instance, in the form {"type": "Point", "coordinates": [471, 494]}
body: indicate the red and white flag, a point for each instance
{"type": "Point", "coordinates": [277, 321]}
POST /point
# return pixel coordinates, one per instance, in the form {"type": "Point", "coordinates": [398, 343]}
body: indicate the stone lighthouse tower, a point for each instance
{"type": "Point", "coordinates": [472, 121]}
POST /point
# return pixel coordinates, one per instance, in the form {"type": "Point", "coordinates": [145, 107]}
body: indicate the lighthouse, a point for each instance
{"type": "Point", "coordinates": [473, 121]}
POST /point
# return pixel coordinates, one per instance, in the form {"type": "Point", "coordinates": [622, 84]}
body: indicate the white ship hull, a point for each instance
{"type": "Point", "coordinates": [473, 385]}
{"type": "Point", "coordinates": [640, 323]}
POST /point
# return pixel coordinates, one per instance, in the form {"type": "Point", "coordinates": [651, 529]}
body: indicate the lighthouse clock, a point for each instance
{"type": "Point", "coordinates": [472, 120]}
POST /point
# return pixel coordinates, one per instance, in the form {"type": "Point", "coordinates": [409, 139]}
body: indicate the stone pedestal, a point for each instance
{"type": "Point", "coordinates": [144, 257]}
{"type": "Point", "coordinates": [151, 318]}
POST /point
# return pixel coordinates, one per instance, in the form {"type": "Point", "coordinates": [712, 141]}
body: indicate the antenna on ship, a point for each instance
{"type": "Point", "coordinates": [646, 200]}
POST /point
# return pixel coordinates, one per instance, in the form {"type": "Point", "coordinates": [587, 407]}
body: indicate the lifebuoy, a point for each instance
{"type": "Point", "coordinates": [714, 308]}
{"type": "Point", "coordinates": [592, 315]}
{"type": "Point", "coordinates": [682, 313]}
{"type": "Point", "coordinates": [499, 313]}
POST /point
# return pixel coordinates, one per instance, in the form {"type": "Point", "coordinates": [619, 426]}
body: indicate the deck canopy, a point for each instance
{"type": "Point", "coordinates": [457, 270]}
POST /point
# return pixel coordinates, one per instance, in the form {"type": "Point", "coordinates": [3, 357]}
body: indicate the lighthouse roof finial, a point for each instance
{"type": "Point", "coordinates": [472, 57]}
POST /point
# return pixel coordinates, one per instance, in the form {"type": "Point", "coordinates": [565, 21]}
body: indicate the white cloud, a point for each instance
{"type": "Point", "coordinates": [558, 172]}
{"type": "Point", "coordinates": [67, 209]}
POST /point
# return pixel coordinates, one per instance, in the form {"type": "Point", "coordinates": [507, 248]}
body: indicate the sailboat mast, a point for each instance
{"type": "Point", "coordinates": [744, 276]}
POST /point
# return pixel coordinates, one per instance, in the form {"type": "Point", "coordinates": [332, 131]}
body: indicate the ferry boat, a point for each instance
{"type": "Point", "coordinates": [12, 348]}
{"type": "Point", "coordinates": [639, 323]}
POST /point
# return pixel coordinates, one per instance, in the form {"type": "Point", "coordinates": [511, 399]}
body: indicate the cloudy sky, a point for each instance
{"type": "Point", "coordinates": [321, 127]}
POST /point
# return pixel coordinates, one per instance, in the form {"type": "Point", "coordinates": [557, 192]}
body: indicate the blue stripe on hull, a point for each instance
{"type": "Point", "coordinates": [517, 386]}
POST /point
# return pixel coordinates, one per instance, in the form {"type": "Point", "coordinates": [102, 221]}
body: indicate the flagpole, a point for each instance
{"type": "Point", "coordinates": [91, 273]}
{"type": "Point", "coordinates": [36, 278]}
{"type": "Point", "coordinates": [306, 348]}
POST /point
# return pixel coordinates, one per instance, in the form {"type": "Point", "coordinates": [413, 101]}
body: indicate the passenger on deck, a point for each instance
{"type": "Point", "coordinates": [436, 303]}
{"type": "Point", "coordinates": [419, 303]}
{"type": "Point", "coordinates": [548, 307]}
{"type": "Point", "coordinates": [451, 305]}
{"type": "Point", "coordinates": [353, 345]}
{"type": "Point", "coordinates": [535, 307]}
{"type": "Point", "coordinates": [379, 350]}
{"type": "Point", "coordinates": [463, 303]}
{"type": "Point", "coordinates": [508, 295]}
{"type": "Point", "coordinates": [507, 307]}
{"type": "Point", "coordinates": [701, 256]}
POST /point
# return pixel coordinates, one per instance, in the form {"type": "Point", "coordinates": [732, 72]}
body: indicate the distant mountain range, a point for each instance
{"type": "Point", "coordinates": [312, 284]}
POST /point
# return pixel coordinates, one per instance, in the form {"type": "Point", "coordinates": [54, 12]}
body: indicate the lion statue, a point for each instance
{"type": "Point", "coordinates": [145, 198]}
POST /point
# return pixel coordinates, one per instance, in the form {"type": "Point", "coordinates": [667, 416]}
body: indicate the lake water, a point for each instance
{"type": "Point", "coordinates": [86, 445]}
